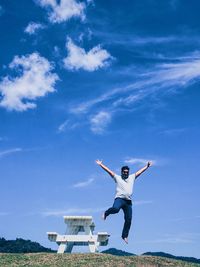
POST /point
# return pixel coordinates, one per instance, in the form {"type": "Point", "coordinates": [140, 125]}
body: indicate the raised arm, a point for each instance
{"type": "Point", "coordinates": [99, 162]}
{"type": "Point", "coordinates": [138, 173]}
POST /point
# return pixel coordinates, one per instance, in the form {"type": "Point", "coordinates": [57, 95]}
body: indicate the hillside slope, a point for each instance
{"type": "Point", "coordinates": [21, 246]}
{"type": "Point", "coordinates": [167, 255]}
{"type": "Point", "coordinates": [89, 260]}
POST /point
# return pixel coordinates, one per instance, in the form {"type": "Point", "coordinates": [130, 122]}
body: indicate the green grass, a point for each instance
{"type": "Point", "coordinates": [89, 260]}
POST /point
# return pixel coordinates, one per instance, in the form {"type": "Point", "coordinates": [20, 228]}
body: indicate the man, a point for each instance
{"type": "Point", "coordinates": [124, 189]}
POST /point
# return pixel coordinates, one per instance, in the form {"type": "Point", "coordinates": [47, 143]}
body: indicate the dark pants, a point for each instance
{"type": "Point", "coordinates": [126, 206]}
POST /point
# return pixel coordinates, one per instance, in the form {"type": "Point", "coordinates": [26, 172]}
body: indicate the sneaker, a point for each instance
{"type": "Point", "coordinates": [103, 216]}
{"type": "Point", "coordinates": [125, 240]}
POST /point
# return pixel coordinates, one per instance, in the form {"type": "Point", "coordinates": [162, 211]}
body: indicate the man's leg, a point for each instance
{"type": "Point", "coordinates": [127, 209]}
{"type": "Point", "coordinates": [117, 205]}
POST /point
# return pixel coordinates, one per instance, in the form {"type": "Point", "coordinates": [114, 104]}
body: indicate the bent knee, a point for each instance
{"type": "Point", "coordinates": [116, 210]}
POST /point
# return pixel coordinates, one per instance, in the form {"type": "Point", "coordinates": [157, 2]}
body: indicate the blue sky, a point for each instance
{"type": "Point", "coordinates": [113, 80]}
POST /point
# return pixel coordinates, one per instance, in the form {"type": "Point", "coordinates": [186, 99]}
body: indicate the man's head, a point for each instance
{"type": "Point", "coordinates": [124, 172]}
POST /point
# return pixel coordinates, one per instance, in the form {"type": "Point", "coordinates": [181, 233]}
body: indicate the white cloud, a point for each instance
{"type": "Point", "coordinates": [173, 132]}
{"type": "Point", "coordinates": [85, 106]}
{"type": "Point", "coordinates": [172, 74]}
{"type": "Point", "coordinates": [71, 211]}
{"type": "Point", "coordinates": [180, 238]}
{"type": "Point", "coordinates": [86, 34]}
{"type": "Point", "coordinates": [185, 219]}
{"type": "Point", "coordinates": [130, 40]}
{"type": "Point", "coordinates": [137, 40]}
{"type": "Point", "coordinates": [163, 77]}
{"type": "Point", "coordinates": [63, 126]}
{"type": "Point", "coordinates": [138, 161]}
{"type": "Point", "coordinates": [33, 27]}
{"type": "Point", "coordinates": [160, 80]}
{"type": "Point", "coordinates": [83, 184]}
{"type": "Point", "coordinates": [64, 10]}
{"type": "Point", "coordinates": [127, 100]}
{"type": "Point", "coordinates": [78, 58]}
{"type": "Point", "coordinates": [100, 121]}
{"type": "Point", "coordinates": [9, 151]}
{"type": "Point", "coordinates": [34, 80]}
{"type": "Point", "coordinates": [117, 96]}
{"type": "Point", "coordinates": [67, 125]}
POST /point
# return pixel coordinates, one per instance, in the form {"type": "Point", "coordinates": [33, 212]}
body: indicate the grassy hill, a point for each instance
{"type": "Point", "coordinates": [117, 252]}
{"type": "Point", "coordinates": [21, 246]}
{"type": "Point", "coordinates": [167, 255]}
{"type": "Point", "coordinates": [89, 260]}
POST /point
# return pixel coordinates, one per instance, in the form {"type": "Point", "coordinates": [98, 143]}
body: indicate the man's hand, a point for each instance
{"type": "Point", "coordinates": [138, 173]}
{"type": "Point", "coordinates": [99, 162]}
{"type": "Point", "coordinates": [149, 164]}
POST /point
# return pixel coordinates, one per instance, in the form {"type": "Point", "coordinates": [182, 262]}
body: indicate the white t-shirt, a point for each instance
{"type": "Point", "coordinates": [124, 188]}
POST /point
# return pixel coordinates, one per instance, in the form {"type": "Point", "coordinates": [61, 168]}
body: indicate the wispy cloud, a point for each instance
{"type": "Point", "coordinates": [197, 217]}
{"type": "Point", "coordinates": [72, 211]}
{"type": "Point", "coordinates": [139, 161]}
{"type": "Point", "coordinates": [67, 125]}
{"type": "Point", "coordinates": [78, 58]}
{"type": "Point", "coordinates": [142, 202]}
{"type": "Point", "coordinates": [64, 10]}
{"type": "Point", "coordinates": [63, 126]}
{"type": "Point", "coordinates": [182, 238]}
{"type": "Point", "coordinates": [178, 73]}
{"type": "Point", "coordinates": [34, 80]}
{"type": "Point", "coordinates": [33, 27]}
{"type": "Point", "coordinates": [99, 121]}
{"type": "Point", "coordinates": [160, 80]}
{"type": "Point", "coordinates": [137, 40]}
{"type": "Point", "coordinates": [86, 34]}
{"type": "Point", "coordinates": [127, 100]}
{"type": "Point", "coordinates": [170, 240]}
{"type": "Point", "coordinates": [84, 183]}
{"type": "Point", "coordinates": [85, 211]}
{"type": "Point", "coordinates": [132, 41]}
{"type": "Point", "coordinates": [136, 91]}
{"type": "Point", "coordinates": [7, 152]}
{"type": "Point", "coordinates": [11, 151]}
{"type": "Point", "coordinates": [173, 132]}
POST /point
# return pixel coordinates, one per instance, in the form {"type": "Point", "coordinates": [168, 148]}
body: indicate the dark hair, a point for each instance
{"type": "Point", "coordinates": [124, 168]}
